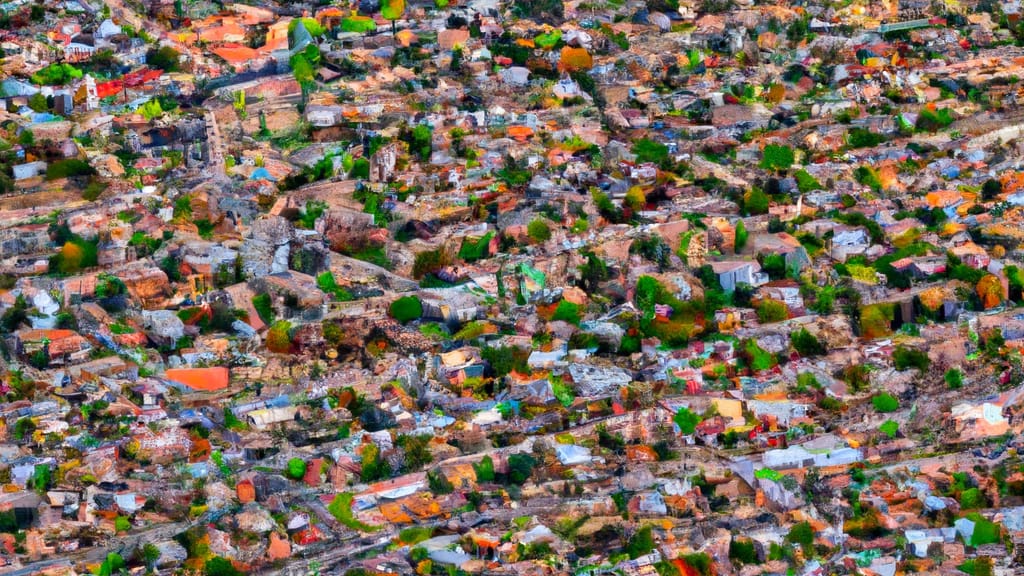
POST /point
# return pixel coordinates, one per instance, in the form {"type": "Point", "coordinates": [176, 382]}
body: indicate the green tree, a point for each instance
{"type": "Point", "coordinates": [890, 428]}
{"type": "Point", "coordinates": [392, 10]}
{"type": "Point", "coordinates": [991, 189]}
{"type": "Point", "coordinates": [770, 310]}
{"type": "Point", "coordinates": [740, 239]}
{"type": "Point", "coordinates": [164, 58]}
{"type": "Point", "coordinates": [538, 231]}
{"type": "Point", "coordinates": [150, 554]}
{"type": "Point", "coordinates": [806, 344]}
{"type": "Point", "coordinates": [484, 470]}
{"type": "Point", "coordinates": [218, 566]}
{"type": "Point", "coordinates": [593, 272]}
{"type": "Point", "coordinates": [641, 543]}
{"type": "Point", "coordinates": [296, 468]}
{"type": "Point", "coordinates": [801, 534]}
{"type": "Point", "coordinates": [907, 358]}
{"type": "Point", "coordinates": [885, 402]}
{"type": "Point", "coordinates": [954, 378]}
{"type": "Point", "coordinates": [373, 467]}
{"type": "Point", "coordinates": [686, 420]}
{"type": "Point", "coordinates": [755, 202]}
{"type": "Point", "coordinates": [567, 312]}
{"type": "Point", "coordinates": [279, 337]}
{"type": "Point", "coordinates": [777, 157]}
{"type": "Point", "coordinates": [647, 150]}
{"type": "Point", "coordinates": [742, 551]}
{"type": "Point", "coordinates": [406, 309]}
{"type": "Point", "coordinates": [520, 467]}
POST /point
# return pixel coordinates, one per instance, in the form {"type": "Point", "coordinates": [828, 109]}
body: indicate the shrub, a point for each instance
{"type": "Point", "coordinates": [801, 534]}
{"type": "Point", "coordinates": [755, 202]}
{"type": "Point", "coordinates": [484, 470]}
{"type": "Point", "coordinates": [121, 524]}
{"type": "Point", "coordinates": [341, 508]}
{"type": "Point", "coordinates": [885, 403]}
{"type": "Point", "coordinates": [890, 428]}
{"type": "Point", "coordinates": [429, 262]}
{"type": "Point", "coordinates": [777, 157]}
{"type": "Point", "coordinates": [740, 239]}
{"type": "Point", "coordinates": [641, 543]}
{"type": "Point", "coordinates": [261, 302]}
{"type": "Point", "coordinates": [906, 358]}
{"type": "Point", "coordinates": [770, 310]}
{"type": "Point", "coordinates": [296, 468]}
{"type": "Point", "coordinates": [954, 378]}
{"type": "Point", "coordinates": [973, 498]}
{"type": "Point", "coordinates": [806, 344]}
{"type": "Point", "coordinates": [985, 532]}
{"type": "Point", "coordinates": [406, 309]}
{"type": "Point", "coordinates": [520, 467]}
{"type": "Point", "coordinates": [279, 337]}
{"type": "Point", "coordinates": [567, 312]}
{"type": "Point", "coordinates": [538, 231]}
{"type": "Point", "coordinates": [647, 150]}
{"type": "Point", "coordinates": [742, 551]}
{"type": "Point", "coordinates": [69, 168]}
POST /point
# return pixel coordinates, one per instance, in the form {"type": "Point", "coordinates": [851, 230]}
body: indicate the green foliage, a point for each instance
{"type": "Point", "coordinates": [868, 176]}
{"type": "Point", "coordinates": [742, 551]}
{"type": "Point", "coordinates": [326, 282]}
{"type": "Point", "coordinates": [296, 468]}
{"type": "Point", "coordinates": [777, 157]}
{"type": "Point", "coordinates": [231, 422]}
{"type": "Point", "coordinates": [538, 231]}
{"type": "Point", "coordinates": [69, 168]}
{"type": "Point", "coordinates": [474, 249]}
{"type": "Point", "coordinates": [121, 524]}
{"type": "Point", "coordinates": [973, 498]}
{"type": "Point", "coordinates": [686, 420]}
{"type": "Point", "coordinates": [567, 312]}
{"type": "Point", "coordinates": [757, 358]}
{"type": "Point", "coordinates": [863, 138]}
{"type": "Point", "coordinates": [484, 470]}
{"type": "Point", "coordinates": [770, 310]}
{"type": "Point", "coordinates": [112, 564]}
{"type": "Point", "coordinates": [933, 121]}
{"type": "Point", "coordinates": [164, 58]}
{"type": "Point", "coordinates": [218, 566]}
{"type": "Point", "coordinates": [802, 535]}
{"type": "Point", "coordinates": [890, 428]}
{"type": "Point", "coordinates": [279, 337]}
{"type": "Point", "coordinates": [406, 309]}
{"type": "Point", "coordinates": [647, 150]}
{"type": "Point", "coordinates": [885, 403]}
{"type": "Point", "coordinates": [520, 467]}
{"type": "Point", "coordinates": [755, 202]}
{"type": "Point", "coordinates": [151, 109]}
{"type": "Point", "coordinates": [806, 344]}
{"type": "Point", "coordinates": [262, 304]}
{"type": "Point", "coordinates": [954, 378]}
{"type": "Point", "coordinates": [374, 468]}
{"type": "Point", "coordinates": [740, 240]}
{"type": "Point", "coordinates": [641, 543]}
{"type": "Point", "coordinates": [358, 24]}
{"type": "Point", "coordinates": [56, 74]}
{"type": "Point", "coordinates": [985, 532]}
{"type": "Point", "coordinates": [439, 483]}
{"type": "Point", "coordinates": [906, 358]}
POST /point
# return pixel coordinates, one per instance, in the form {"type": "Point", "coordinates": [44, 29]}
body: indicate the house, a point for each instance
{"type": "Point", "coordinates": [785, 244]}
{"type": "Point", "coordinates": [29, 170]}
{"type": "Point", "coordinates": [515, 76]}
{"type": "Point", "coordinates": [732, 273]}
{"type": "Point", "coordinates": [60, 346]}
{"type": "Point", "coordinates": [322, 116]}
{"type": "Point", "coordinates": [800, 457]}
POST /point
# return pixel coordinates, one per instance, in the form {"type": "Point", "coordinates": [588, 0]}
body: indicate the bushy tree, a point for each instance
{"type": "Point", "coordinates": [686, 420]}
{"type": "Point", "coordinates": [954, 378]}
{"type": "Point", "coordinates": [740, 238]}
{"type": "Point", "coordinates": [806, 344]}
{"type": "Point", "coordinates": [885, 403]}
{"type": "Point", "coordinates": [520, 467]}
{"type": "Point", "coordinates": [484, 470]}
{"type": "Point", "coordinates": [641, 543]}
{"type": "Point", "coordinates": [777, 157]}
{"type": "Point", "coordinates": [279, 337]}
{"type": "Point", "coordinates": [406, 309]}
{"type": "Point", "coordinates": [296, 468]}
{"type": "Point", "coordinates": [538, 231]}
{"type": "Point", "coordinates": [771, 310]}
{"type": "Point", "coordinates": [567, 312]}
{"type": "Point", "coordinates": [755, 202]}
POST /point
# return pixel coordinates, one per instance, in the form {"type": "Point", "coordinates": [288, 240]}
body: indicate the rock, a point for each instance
{"type": "Point", "coordinates": [171, 553]}
{"type": "Point", "coordinates": [163, 326]}
{"type": "Point", "coordinates": [255, 519]}
{"type": "Point", "coordinates": [148, 285]}
{"type": "Point", "coordinates": [279, 547]}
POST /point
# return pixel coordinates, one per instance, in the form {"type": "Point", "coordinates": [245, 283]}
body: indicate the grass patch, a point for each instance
{"type": "Point", "coordinates": [341, 509]}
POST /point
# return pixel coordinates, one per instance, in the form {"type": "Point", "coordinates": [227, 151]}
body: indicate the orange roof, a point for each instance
{"type": "Point", "coordinates": [943, 198]}
{"type": "Point", "coordinates": [235, 53]}
{"type": "Point", "coordinates": [205, 379]}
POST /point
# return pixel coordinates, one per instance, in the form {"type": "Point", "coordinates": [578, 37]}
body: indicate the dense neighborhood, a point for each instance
{"type": "Point", "coordinates": [524, 287]}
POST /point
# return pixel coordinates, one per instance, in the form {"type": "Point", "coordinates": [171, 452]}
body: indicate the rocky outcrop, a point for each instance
{"type": "Point", "coordinates": [148, 285]}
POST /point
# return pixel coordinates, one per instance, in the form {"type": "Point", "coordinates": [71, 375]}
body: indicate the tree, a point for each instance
{"type": "Point", "coordinates": [71, 258]}
{"type": "Point", "coordinates": [439, 483]}
{"type": "Point", "coordinates": [770, 310]}
{"type": "Point", "coordinates": [164, 58]}
{"type": "Point", "coordinates": [373, 467]}
{"type": "Point", "coordinates": [520, 467]}
{"type": "Point", "coordinates": [112, 564]}
{"type": "Point", "coordinates": [954, 378]}
{"type": "Point", "coordinates": [593, 272]}
{"type": "Point", "coordinates": [538, 231]}
{"type": "Point", "coordinates": [806, 344]}
{"type": "Point", "coordinates": [740, 238]}
{"type": "Point", "coordinates": [755, 202]}
{"type": "Point", "coordinates": [801, 534]}
{"type": "Point", "coordinates": [991, 189]}
{"type": "Point", "coordinates": [218, 566]}
{"type": "Point", "coordinates": [37, 102]}
{"type": "Point", "coordinates": [890, 428]}
{"type": "Point", "coordinates": [392, 10]}
{"type": "Point", "coordinates": [635, 199]}
{"type": "Point", "coordinates": [647, 150]}
{"type": "Point", "coordinates": [484, 470]}
{"type": "Point", "coordinates": [907, 358]}
{"type": "Point", "coordinates": [296, 468]}
{"type": "Point", "coordinates": [641, 543]}
{"type": "Point", "coordinates": [279, 337]}
{"type": "Point", "coordinates": [742, 551]}
{"type": "Point", "coordinates": [27, 139]}
{"type": "Point", "coordinates": [990, 291]}
{"type": "Point", "coordinates": [567, 312]}
{"type": "Point", "coordinates": [777, 157]}
{"type": "Point", "coordinates": [686, 420]}
{"type": "Point", "coordinates": [150, 554]}
{"type": "Point", "coordinates": [885, 403]}
{"type": "Point", "coordinates": [406, 309]}
{"type": "Point", "coordinates": [575, 59]}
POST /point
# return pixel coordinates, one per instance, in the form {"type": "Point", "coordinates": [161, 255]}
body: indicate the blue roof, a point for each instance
{"type": "Point", "coordinates": [261, 174]}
